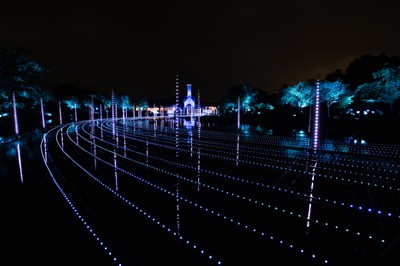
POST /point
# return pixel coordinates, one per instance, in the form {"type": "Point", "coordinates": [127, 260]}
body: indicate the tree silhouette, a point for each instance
{"type": "Point", "coordinates": [384, 88]}
{"type": "Point", "coordinates": [22, 75]}
{"type": "Point", "coordinates": [335, 75]}
{"type": "Point", "coordinates": [360, 70]}
{"type": "Point", "coordinates": [252, 100]}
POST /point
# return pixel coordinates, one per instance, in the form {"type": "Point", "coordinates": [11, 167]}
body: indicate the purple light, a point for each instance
{"type": "Point", "coordinates": [316, 124]}
{"type": "Point", "coordinates": [115, 171]}
{"type": "Point", "coordinates": [198, 103]}
{"type": "Point", "coordinates": [176, 116]}
{"type": "Point", "coordinates": [19, 164]}
{"type": "Point", "coordinates": [238, 115]}
{"type": "Point", "coordinates": [15, 114]}
{"type": "Point", "coordinates": [92, 109]}
{"type": "Point", "coordinates": [76, 114]}
{"type": "Point", "coordinates": [113, 111]}
{"type": "Point", "coordinates": [112, 105]}
{"type": "Point", "coordinates": [41, 109]}
{"type": "Point", "coordinates": [59, 111]}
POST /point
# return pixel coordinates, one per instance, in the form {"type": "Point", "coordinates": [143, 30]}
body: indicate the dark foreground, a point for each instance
{"type": "Point", "coordinates": [148, 194]}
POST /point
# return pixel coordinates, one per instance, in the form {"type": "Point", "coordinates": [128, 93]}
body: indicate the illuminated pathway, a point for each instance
{"type": "Point", "coordinates": [149, 192]}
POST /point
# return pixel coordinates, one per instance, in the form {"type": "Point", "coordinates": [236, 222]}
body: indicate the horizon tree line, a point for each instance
{"type": "Point", "coordinates": [22, 76]}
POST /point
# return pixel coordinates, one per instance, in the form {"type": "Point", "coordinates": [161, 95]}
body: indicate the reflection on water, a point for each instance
{"type": "Point", "coordinates": [62, 138]}
{"type": "Point", "coordinates": [115, 171]}
{"type": "Point", "coordinates": [260, 158]}
{"type": "Point", "coordinates": [313, 166]}
{"type": "Point", "coordinates": [20, 163]}
{"type": "Point", "coordinates": [45, 150]}
{"type": "Point", "coordinates": [147, 153]}
{"type": "Point", "coordinates": [198, 155]}
{"type": "Point", "coordinates": [16, 160]}
{"type": "Point", "coordinates": [237, 150]}
{"type": "Point", "coordinates": [76, 134]}
{"type": "Point", "coordinates": [189, 123]}
{"type": "Point", "coordinates": [93, 145]}
{"type": "Point", "coordinates": [191, 142]}
{"type": "Point", "coordinates": [178, 218]}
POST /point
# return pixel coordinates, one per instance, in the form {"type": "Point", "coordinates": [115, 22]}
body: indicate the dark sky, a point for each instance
{"type": "Point", "coordinates": [138, 48]}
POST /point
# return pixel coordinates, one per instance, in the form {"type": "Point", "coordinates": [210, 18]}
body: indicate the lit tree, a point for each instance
{"type": "Point", "coordinates": [38, 97]}
{"type": "Point", "coordinates": [384, 88]}
{"type": "Point", "coordinates": [73, 103]}
{"type": "Point", "coordinates": [143, 103]}
{"type": "Point", "coordinates": [124, 103]}
{"type": "Point", "coordinates": [368, 92]}
{"type": "Point", "coordinates": [300, 95]}
{"type": "Point", "coordinates": [226, 107]}
{"type": "Point", "coordinates": [87, 102]}
{"type": "Point", "coordinates": [37, 93]}
{"type": "Point", "coordinates": [5, 101]}
{"type": "Point", "coordinates": [20, 75]}
{"type": "Point", "coordinates": [389, 82]}
{"type": "Point", "coordinates": [106, 102]}
{"type": "Point", "coordinates": [252, 100]}
{"type": "Point", "coordinates": [331, 92]}
{"type": "Point", "coordinates": [345, 100]}
{"type": "Point", "coordinates": [266, 106]}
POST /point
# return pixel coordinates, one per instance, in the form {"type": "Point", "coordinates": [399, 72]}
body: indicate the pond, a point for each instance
{"type": "Point", "coordinates": [145, 192]}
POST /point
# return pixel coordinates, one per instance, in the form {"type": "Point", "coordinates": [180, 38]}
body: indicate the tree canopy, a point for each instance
{"type": "Point", "coordinates": [299, 95]}
{"type": "Point", "coordinates": [385, 86]}
{"type": "Point", "coordinates": [22, 75]}
{"type": "Point", "coordinates": [252, 100]}
{"type": "Point", "coordinates": [360, 70]}
{"type": "Point", "coordinates": [331, 92]}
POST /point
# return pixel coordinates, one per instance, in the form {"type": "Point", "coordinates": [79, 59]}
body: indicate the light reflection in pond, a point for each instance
{"type": "Point", "coordinates": [178, 217]}
{"type": "Point", "coordinates": [237, 150]}
{"type": "Point", "coordinates": [20, 163]}
{"type": "Point", "coordinates": [313, 166]}
{"type": "Point", "coordinates": [115, 171]}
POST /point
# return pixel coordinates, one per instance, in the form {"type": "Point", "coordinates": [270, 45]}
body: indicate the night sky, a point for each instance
{"type": "Point", "coordinates": [138, 48]}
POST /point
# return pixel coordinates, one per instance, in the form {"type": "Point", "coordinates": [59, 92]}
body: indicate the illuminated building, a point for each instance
{"type": "Point", "coordinates": [189, 101]}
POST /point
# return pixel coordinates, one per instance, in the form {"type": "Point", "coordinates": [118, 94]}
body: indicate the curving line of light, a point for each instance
{"type": "Point", "coordinates": [197, 205]}
{"type": "Point", "coordinates": [234, 195]}
{"type": "Point", "coordinates": [135, 206]}
{"type": "Point", "coordinates": [280, 161]}
{"type": "Point", "coordinates": [335, 202]}
{"type": "Point", "coordinates": [89, 228]}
